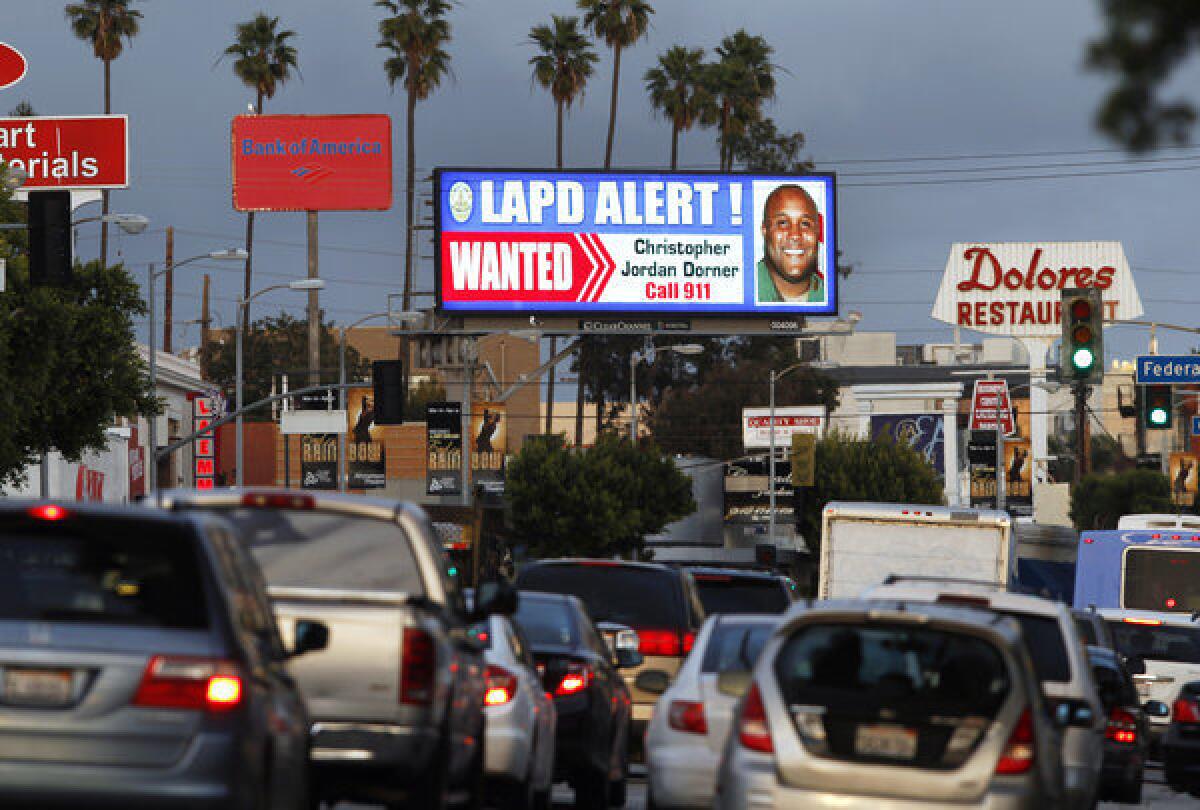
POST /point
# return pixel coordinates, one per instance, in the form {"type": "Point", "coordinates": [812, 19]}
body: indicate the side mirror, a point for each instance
{"type": "Point", "coordinates": [628, 659]}
{"type": "Point", "coordinates": [735, 682]}
{"type": "Point", "coordinates": [311, 636]}
{"type": "Point", "coordinates": [654, 681]}
{"type": "Point", "coordinates": [1156, 708]}
{"type": "Point", "coordinates": [497, 597]}
{"type": "Point", "coordinates": [623, 642]}
{"type": "Point", "coordinates": [1135, 664]}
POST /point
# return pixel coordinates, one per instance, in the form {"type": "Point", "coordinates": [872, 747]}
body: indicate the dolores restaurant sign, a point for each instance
{"type": "Point", "coordinates": [1015, 288]}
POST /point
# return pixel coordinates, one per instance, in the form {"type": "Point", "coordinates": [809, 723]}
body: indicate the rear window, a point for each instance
{"type": "Point", "coordinates": [1162, 580]}
{"type": "Point", "coordinates": [1044, 640]}
{"type": "Point", "coordinates": [312, 549]}
{"type": "Point", "coordinates": [638, 597]}
{"type": "Point", "coordinates": [734, 646]}
{"type": "Point", "coordinates": [547, 622]}
{"type": "Point", "coordinates": [729, 594]}
{"type": "Point", "coordinates": [109, 572]}
{"type": "Point", "coordinates": [1161, 642]}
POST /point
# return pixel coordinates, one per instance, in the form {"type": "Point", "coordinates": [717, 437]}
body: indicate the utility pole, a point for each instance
{"type": "Point", "coordinates": [1081, 394]}
{"type": "Point", "coordinates": [204, 314]}
{"type": "Point", "coordinates": [168, 290]}
{"type": "Point", "coordinates": [314, 310]}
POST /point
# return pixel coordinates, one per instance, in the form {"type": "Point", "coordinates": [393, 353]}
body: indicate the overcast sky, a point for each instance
{"type": "Point", "coordinates": [865, 80]}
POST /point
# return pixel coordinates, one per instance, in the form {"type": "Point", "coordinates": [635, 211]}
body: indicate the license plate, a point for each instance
{"type": "Point", "coordinates": [37, 687]}
{"type": "Point", "coordinates": [891, 742]}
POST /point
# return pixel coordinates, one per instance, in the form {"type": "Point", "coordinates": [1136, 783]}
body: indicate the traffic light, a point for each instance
{"type": "Point", "coordinates": [1082, 335]}
{"type": "Point", "coordinates": [804, 459]}
{"type": "Point", "coordinates": [1156, 407]}
{"type": "Point", "coordinates": [390, 390]}
{"type": "Point", "coordinates": [50, 238]}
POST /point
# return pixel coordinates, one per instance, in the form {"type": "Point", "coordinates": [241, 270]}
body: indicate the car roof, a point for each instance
{"type": "Point", "coordinates": [600, 563]}
{"type": "Point", "coordinates": [733, 573]}
{"type": "Point", "coordinates": [896, 609]}
{"type": "Point", "coordinates": [998, 599]}
{"type": "Point", "coordinates": [1150, 617]}
{"type": "Point", "coordinates": [10, 506]}
{"type": "Point", "coordinates": [544, 596]}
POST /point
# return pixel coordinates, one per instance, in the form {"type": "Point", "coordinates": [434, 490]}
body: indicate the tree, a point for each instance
{"type": "Point", "coordinates": [620, 23]}
{"type": "Point", "coordinates": [1100, 500]}
{"type": "Point", "coordinates": [23, 109]}
{"type": "Point", "coordinates": [263, 60]}
{"type": "Point", "coordinates": [678, 92]}
{"type": "Point", "coordinates": [103, 24]}
{"type": "Point", "coordinates": [740, 83]}
{"type": "Point", "coordinates": [275, 345]}
{"type": "Point", "coordinates": [706, 419]}
{"type": "Point", "coordinates": [761, 147]}
{"type": "Point", "coordinates": [849, 469]}
{"type": "Point", "coordinates": [600, 502]}
{"type": "Point", "coordinates": [1145, 41]}
{"type": "Point", "coordinates": [415, 36]}
{"type": "Point", "coordinates": [563, 64]}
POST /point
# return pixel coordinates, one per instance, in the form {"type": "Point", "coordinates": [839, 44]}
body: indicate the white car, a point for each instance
{"type": "Point", "coordinates": [519, 719]}
{"type": "Point", "coordinates": [691, 721]}
{"type": "Point", "coordinates": [1161, 649]}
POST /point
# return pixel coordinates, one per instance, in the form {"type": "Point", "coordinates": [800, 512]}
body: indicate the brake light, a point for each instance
{"type": "Point", "coordinates": [753, 730]}
{"type": "Point", "coordinates": [417, 668]}
{"type": "Point", "coordinates": [577, 678]}
{"type": "Point", "coordinates": [48, 511]}
{"type": "Point", "coordinates": [278, 500]}
{"type": "Point", "coordinates": [1018, 754]}
{"type": "Point", "coordinates": [501, 686]}
{"type": "Point", "coordinates": [1121, 727]}
{"type": "Point", "coordinates": [1184, 711]}
{"type": "Point", "coordinates": [664, 642]}
{"type": "Point", "coordinates": [689, 641]}
{"type": "Point", "coordinates": [173, 682]}
{"type": "Point", "coordinates": [1148, 622]}
{"type": "Point", "coordinates": [684, 715]}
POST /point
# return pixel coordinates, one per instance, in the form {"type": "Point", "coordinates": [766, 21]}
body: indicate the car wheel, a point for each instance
{"type": "Point", "coordinates": [591, 790]}
{"type": "Point", "coordinates": [1131, 792]}
{"type": "Point", "coordinates": [617, 792]}
{"type": "Point", "coordinates": [432, 791]}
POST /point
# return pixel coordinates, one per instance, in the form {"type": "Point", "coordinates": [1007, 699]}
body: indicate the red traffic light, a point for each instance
{"type": "Point", "coordinates": [1081, 309]}
{"type": "Point", "coordinates": [1082, 334]}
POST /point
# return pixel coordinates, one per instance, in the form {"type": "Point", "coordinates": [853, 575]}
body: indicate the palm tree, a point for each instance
{"type": "Point", "coordinates": [414, 35]}
{"type": "Point", "coordinates": [563, 64]}
{"type": "Point", "coordinates": [740, 83]}
{"type": "Point", "coordinates": [677, 90]}
{"type": "Point", "coordinates": [263, 60]}
{"type": "Point", "coordinates": [104, 23]}
{"type": "Point", "coordinates": [620, 23]}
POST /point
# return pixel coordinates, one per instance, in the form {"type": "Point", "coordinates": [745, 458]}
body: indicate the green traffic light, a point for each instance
{"type": "Point", "coordinates": [452, 571]}
{"type": "Point", "coordinates": [1083, 358]}
{"type": "Point", "coordinates": [1159, 416]}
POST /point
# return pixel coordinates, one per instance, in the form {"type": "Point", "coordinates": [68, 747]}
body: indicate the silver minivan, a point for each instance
{"type": "Point", "coordinates": [866, 705]}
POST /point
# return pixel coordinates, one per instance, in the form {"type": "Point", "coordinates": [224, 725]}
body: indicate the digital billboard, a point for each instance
{"type": "Point", "coordinates": [543, 242]}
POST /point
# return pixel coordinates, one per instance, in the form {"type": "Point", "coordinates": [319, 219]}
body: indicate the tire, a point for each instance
{"type": "Point", "coordinates": [432, 791]}
{"type": "Point", "coordinates": [518, 796]}
{"type": "Point", "coordinates": [617, 792]}
{"type": "Point", "coordinates": [591, 790]}
{"type": "Point", "coordinates": [1131, 792]}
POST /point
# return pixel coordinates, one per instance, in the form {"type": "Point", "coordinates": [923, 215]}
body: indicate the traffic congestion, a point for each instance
{"type": "Point", "coordinates": [259, 649]}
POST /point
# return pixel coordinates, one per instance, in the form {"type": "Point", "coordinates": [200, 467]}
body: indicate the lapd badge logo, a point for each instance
{"type": "Point", "coordinates": [461, 201]}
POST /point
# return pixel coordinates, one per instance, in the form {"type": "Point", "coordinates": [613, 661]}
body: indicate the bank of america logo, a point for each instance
{"type": "Point", "coordinates": [310, 173]}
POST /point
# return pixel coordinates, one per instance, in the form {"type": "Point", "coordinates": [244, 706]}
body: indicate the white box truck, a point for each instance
{"type": "Point", "coordinates": [862, 544]}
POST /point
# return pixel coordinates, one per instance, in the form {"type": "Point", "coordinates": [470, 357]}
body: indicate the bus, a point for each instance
{"type": "Point", "coordinates": [1153, 569]}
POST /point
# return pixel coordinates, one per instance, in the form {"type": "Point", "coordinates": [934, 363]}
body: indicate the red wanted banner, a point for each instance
{"type": "Point", "coordinates": [990, 399]}
{"type": "Point", "coordinates": [312, 162]}
{"type": "Point", "coordinates": [80, 152]}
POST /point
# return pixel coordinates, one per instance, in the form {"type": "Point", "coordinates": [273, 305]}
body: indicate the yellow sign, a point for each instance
{"type": "Point", "coordinates": [1182, 473]}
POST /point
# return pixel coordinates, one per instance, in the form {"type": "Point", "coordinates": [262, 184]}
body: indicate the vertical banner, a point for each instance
{"type": "Point", "coordinates": [489, 443]}
{"type": "Point", "coordinates": [318, 461]}
{"type": "Point", "coordinates": [137, 466]}
{"type": "Point", "coordinates": [365, 460]}
{"type": "Point", "coordinates": [1183, 476]}
{"type": "Point", "coordinates": [204, 470]}
{"type": "Point", "coordinates": [444, 448]}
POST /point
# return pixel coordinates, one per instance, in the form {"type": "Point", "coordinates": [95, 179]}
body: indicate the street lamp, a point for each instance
{"type": "Point", "coordinates": [299, 284]}
{"type": "Point", "coordinates": [636, 357]}
{"type": "Point", "coordinates": [775, 377]}
{"type": "Point", "coordinates": [237, 254]}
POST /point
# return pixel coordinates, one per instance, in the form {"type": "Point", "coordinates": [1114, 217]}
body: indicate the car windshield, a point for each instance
{"type": "Point", "coordinates": [313, 549]}
{"type": "Point", "coordinates": [637, 597]}
{"type": "Point", "coordinates": [111, 572]}
{"type": "Point", "coordinates": [546, 622]}
{"type": "Point", "coordinates": [722, 593]}
{"type": "Point", "coordinates": [734, 646]}
{"type": "Point", "coordinates": [1161, 579]}
{"type": "Point", "coordinates": [1044, 640]}
{"type": "Point", "coordinates": [1158, 642]}
{"type": "Point", "coordinates": [855, 668]}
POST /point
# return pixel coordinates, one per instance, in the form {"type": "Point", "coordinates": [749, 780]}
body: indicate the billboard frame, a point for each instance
{"type": "Point", "coordinates": [616, 314]}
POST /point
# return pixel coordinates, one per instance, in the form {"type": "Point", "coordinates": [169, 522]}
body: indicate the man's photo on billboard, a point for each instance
{"type": "Point", "coordinates": [790, 243]}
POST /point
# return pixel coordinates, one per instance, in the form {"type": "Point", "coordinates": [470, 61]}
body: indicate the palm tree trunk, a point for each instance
{"type": "Point", "coordinates": [612, 107]}
{"type": "Point", "coordinates": [104, 193]}
{"type": "Point", "coordinates": [248, 276]}
{"type": "Point", "coordinates": [410, 171]}
{"type": "Point", "coordinates": [558, 148]}
{"type": "Point", "coordinates": [559, 137]}
{"type": "Point", "coordinates": [674, 146]}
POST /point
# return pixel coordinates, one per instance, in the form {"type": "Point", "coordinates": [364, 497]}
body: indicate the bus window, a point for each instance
{"type": "Point", "coordinates": [1162, 580]}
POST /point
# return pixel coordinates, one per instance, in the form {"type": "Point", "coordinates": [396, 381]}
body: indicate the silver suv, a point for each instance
{"type": "Point", "coordinates": [865, 704]}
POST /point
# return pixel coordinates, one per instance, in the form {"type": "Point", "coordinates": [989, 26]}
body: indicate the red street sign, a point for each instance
{"type": "Point", "coordinates": [312, 162]}
{"type": "Point", "coordinates": [12, 65]}
{"type": "Point", "coordinates": [989, 400]}
{"type": "Point", "coordinates": [83, 151]}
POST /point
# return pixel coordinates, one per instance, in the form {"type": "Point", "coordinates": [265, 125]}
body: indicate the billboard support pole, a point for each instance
{"type": "Point", "coordinates": [468, 350]}
{"type": "Point", "coordinates": [314, 311]}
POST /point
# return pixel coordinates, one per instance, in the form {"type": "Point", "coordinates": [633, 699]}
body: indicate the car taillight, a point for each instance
{"type": "Point", "coordinates": [501, 686]}
{"type": "Point", "coordinates": [576, 679]}
{"type": "Point", "coordinates": [685, 715]}
{"type": "Point", "coordinates": [689, 640]}
{"type": "Point", "coordinates": [278, 500]}
{"type": "Point", "coordinates": [1121, 727]}
{"type": "Point", "coordinates": [174, 682]}
{"type": "Point", "coordinates": [1018, 754]}
{"type": "Point", "coordinates": [48, 511]}
{"type": "Point", "coordinates": [753, 730]}
{"type": "Point", "coordinates": [1184, 711]}
{"type": "Point", "coordinates": [417, 668]}
{"type": "Point", "coordinates": [664, 642]}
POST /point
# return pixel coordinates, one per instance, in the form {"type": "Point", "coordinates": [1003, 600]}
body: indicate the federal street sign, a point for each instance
{"type": "Point", "coordinates": [1196, 425]}
{"type": "Point", "coordinates": [1161, 368]}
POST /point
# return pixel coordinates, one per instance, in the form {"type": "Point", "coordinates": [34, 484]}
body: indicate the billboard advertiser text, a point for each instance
{"type": "Point", "coordinates": [593, 243]}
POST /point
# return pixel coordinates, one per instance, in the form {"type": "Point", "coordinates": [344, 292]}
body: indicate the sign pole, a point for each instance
{"type": "Point", "coordinates": [1080, 440]}
{"type": "Point", "coordinates": [771, 472]}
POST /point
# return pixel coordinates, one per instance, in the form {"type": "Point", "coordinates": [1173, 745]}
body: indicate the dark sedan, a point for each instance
{"type": "Point", "coordinates": [580, 673]}
{"type": "Point", "coordinates": [1126, 730]}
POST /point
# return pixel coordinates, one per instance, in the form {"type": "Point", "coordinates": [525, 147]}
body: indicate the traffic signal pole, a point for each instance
{"type": "Point", "coordinates": [1081, 392]}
